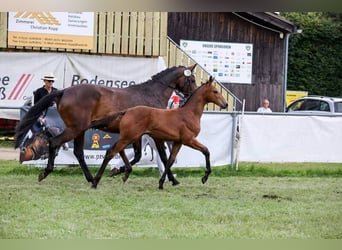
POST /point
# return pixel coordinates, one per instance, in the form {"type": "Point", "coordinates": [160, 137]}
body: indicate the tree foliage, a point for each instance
{"type": "Point", "coordinates": [314, 61]}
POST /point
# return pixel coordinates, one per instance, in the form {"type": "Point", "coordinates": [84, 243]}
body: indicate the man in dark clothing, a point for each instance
{"type": "Point", "coordinates": [48, 80]}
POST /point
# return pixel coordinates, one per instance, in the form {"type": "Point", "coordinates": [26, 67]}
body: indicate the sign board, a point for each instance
{"type": "Point", "coordinates": [292, 95]}
{"type": "Point", "coordinates": [227, 62]}
{"type": "Point", "coordinates": [21, 73]}
{"type": "Point", "coordinates": [67, 30]}
{"type": "Point", "coordinates": [97, 142]}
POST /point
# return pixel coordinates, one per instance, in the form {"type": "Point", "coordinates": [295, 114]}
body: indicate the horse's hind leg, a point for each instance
{"type": "Point", "coordinates": [128, 168]}
{"type": "Point", "coordinates": [110, 153]}
{"type": "Point", "coordinates": [137, 157]}
{"type": "Point", "coordinates": [162, 154]}
{"type": "Point", "coordinates": [175, 149]}
{"type": "Point", "coordinates": [79, 153]}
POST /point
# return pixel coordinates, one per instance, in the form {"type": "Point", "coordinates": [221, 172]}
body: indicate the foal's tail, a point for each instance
{"type": "Point", "coordinates": [106, 122]}
{"type": "Point", "coordinates": [32, 115]}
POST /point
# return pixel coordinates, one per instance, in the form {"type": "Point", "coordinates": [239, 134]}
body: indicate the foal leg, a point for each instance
{"type": "Point", "coordinates": [110, 153]}
{"type": "Point", "coordinates": [137, 157]}
{"type": "Point", "coordinates": [175, 149]}
{"type": "Point", "coordinates": [200, 147]}
{"type": "Point", "coordinates": [128, 166]}
{"type": "Point", "coordinates": [207, 165]}
{"type": "Point", "coordinates": [79, 153]}
{"type": "Point", "coordinates": [160, 145]}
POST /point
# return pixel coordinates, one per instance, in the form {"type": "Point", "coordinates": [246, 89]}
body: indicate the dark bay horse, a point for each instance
{"type": "Point", "coordinates": [79, 105]}
{"type": "Point", "coordinates": [37, 147]}
{"type": "Point", "coordinates": [181, 126]}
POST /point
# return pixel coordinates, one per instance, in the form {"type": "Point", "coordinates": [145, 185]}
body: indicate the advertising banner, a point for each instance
{"type": "Point", "coordinates": [292, 95]}
{"type": "Point", "coordinates": [216, 134]}
{"type": "Point", "coordinates": [227, 62]}
{"type": "Point", "coordinates": [21, 73]}
{"type": "Point", "coordinates": [66, 30]}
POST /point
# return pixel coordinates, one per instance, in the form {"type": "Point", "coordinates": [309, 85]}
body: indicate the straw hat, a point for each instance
{"type": "Point", "coordinates": [49, 76]}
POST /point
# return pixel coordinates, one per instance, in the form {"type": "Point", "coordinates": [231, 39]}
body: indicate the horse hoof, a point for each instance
{"type": "Point", "coordinates": [161, 187]}
{"type": "Point", "coordinates": [94, 186]}
{"type": "Point", "coordinates": [204, 179]}
{"type": "Point", "coordinates": [124, 178]}
{"type": "Point", "coordinates": [175, 183]}
{"type": "Point", "coordinates": [41, 176]}
{"type": "Point", "coordinates": [114, 172]}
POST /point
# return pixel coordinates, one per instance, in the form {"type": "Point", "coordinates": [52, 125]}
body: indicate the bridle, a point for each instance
{"type": "Point", "coordinates": [37, 146]}
{"type": "Point", "coordinates": [187, 82]}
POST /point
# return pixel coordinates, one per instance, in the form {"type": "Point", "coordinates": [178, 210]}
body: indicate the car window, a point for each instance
{"type": "Point", "coordinates": [297, 105]}
{"type": "Point", "coordinates": [324, 106]}
{"type": "Point", "coordinates": [338, 107]}
{"type": "Point", "coordinates": [312, 105]}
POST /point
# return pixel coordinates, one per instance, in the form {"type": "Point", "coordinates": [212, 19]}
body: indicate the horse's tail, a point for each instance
{"type": "Point", "coordinates": [32, 115]}
{"type": "Point", "coordinates": [104, 122]}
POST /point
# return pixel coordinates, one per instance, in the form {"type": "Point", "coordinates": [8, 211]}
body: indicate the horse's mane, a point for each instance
{"type": "Point", "coordinates": [159, 76]}
{"type": "Point", "coordinates": [165, 72]}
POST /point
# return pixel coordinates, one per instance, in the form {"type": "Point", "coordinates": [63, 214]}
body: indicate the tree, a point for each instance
{"type": "Point", "coordinates": [314, 60]}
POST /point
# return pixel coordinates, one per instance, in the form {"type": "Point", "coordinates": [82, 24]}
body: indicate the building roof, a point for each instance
{"type": "Point", "coordinates": [269, 20]}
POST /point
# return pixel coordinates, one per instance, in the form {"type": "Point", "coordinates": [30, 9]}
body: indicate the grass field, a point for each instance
{"type": "Point", "coordinates": [260, 201]}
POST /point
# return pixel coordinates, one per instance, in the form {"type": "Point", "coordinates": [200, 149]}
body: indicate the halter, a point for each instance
{"type": "Point", "coordinates": [187, 73]}
{"type": "Point", "coordinates": [37, 150]}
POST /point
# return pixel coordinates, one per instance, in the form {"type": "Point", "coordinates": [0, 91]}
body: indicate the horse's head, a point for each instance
{"type": "Point", "coordinates": [36, 148]}
{"type": "Point", "coordinates": [213, 95]}
{"type": "Point", "coordinates": [186, 80]}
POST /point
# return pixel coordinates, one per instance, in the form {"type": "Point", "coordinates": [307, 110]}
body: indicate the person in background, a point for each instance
{"type": "Point", "coordinates": [38, 94]}
{"type": "Point", "coordinates": [46, 89]}
{"type": "Point", "coordinates": [174, 101]}
{"type": "Point", "coordinates": [41, 123]}
{"type": "Point", "coordinates": [265, 108]}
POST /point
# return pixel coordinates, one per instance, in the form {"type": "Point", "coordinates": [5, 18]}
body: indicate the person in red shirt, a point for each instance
{"type": "Point", "coordinates": [173, 101]}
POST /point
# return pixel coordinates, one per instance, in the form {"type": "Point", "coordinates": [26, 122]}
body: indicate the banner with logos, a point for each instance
{"type": "Point", "coordinates": [21, 73]}
{"type": "Point", "coordinates": [227, 62]}
{"type": "Point", "coordinates": [216, 134]}
{"type": "Point", "coordinates": [66, 30]}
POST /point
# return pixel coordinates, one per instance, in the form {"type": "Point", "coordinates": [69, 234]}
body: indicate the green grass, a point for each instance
{"type": "Point", "coordinates": [260, 201]}
{"type": "Point", "coordinates": [6, 142]}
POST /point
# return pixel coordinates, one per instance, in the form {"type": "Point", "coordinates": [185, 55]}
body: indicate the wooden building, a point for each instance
{"type": "Point", "coordinates": [268, 32]}
{"type": "Point", "coordinates": [151, 34]}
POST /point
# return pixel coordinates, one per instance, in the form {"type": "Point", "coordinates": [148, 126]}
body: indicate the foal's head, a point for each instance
{"type": "Point", "coordinates": [213, 95]}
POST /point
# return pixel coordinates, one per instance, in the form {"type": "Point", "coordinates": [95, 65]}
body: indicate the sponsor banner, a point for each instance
{"type": "Point", "coordinates": [216, 134]}
{"type": "Point", "coordinates": [67, 30]}
{"type": "Point", "coordinates": [21, 73]}
{"type": "Point", "coordinates": [227, 62]}
{"type": "Point", "coordinates": [292, 95]}
{"type": "Point", "coordinates": [116, 72]}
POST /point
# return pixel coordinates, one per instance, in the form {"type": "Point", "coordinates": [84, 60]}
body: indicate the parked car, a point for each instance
{"type": "Point", "coordinates": [316, 104]}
